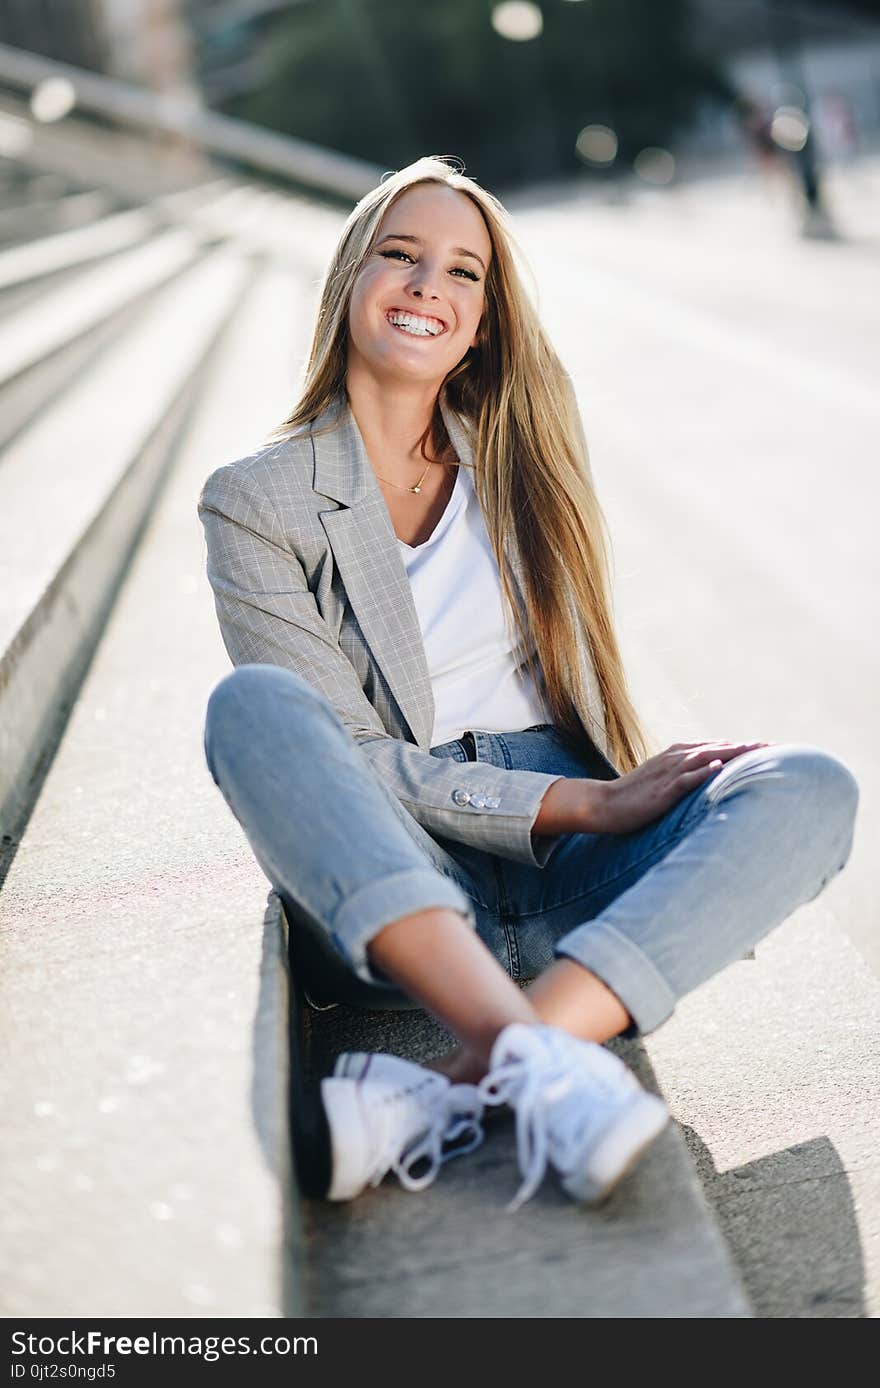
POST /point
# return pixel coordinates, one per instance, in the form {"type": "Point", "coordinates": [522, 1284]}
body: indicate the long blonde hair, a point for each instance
{"type": "Point", "coordinates": [532, 476]}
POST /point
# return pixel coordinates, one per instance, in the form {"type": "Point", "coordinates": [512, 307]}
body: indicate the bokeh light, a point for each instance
{"type": "Point", "coordinates": [53, 99]}
{"type": "Point", "coordinates": [15, 136]}
{"type": "Point", "coordinates": [597, 145]}
{"type": "Point", "coordinates": [655, 165]}
{"type": "Point", "coordinates": [790, 128]}
{"type": "Point", "coordinates": [518, 20]}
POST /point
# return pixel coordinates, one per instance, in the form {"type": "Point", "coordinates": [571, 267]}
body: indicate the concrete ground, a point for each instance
{"type": "Point", "coordinates": [143, 1017]}
{"type": "Point", "coordinates": [727, 378]}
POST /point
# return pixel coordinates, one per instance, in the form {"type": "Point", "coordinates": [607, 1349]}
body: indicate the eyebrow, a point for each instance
{"type": "Point", "coordinates": [417, 241]}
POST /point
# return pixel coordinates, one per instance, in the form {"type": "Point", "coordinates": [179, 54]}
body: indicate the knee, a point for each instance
{"type": "Point", "coordinates": [238, 693]}
{"type": "Point", "coordinates": [823, 797]}
{"type": "Point", "coordinates": [808, 780]}
{"type": "Point", "coordinates": [823, 779]}
{"type": "Point", "coordinates": [242, 698]}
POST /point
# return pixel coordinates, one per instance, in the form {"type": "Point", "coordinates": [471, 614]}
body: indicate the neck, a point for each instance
{"type": "Point", "coordinates": [391, 416]}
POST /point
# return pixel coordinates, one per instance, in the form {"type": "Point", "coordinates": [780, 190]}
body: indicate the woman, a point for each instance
{"type": "Point", "coordinates": [429, 741]}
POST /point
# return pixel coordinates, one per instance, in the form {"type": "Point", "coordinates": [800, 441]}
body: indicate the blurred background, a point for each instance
{"type": "Point", "coordinates": [695, 186]}
{"type": "Point", "coordinates": [519, 90]}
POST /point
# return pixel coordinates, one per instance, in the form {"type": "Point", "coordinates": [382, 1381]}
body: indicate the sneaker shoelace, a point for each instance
{"type": "Point", "coordinates": [533, 1084]}
{"type": "Point", "coordinates": [452, 1128]}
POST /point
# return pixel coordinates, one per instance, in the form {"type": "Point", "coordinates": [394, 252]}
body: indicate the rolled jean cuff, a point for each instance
{"type": "Point", "coordinates": [365, 913]}
{"type": "Point", "coordinates": [624, 968]}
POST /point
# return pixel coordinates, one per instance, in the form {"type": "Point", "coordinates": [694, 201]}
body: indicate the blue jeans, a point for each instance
{"type": "Point", "coordinates": [653, 912]}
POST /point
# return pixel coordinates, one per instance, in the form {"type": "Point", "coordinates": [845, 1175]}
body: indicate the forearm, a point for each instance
{"type": "Point", "coordinates": [570, 806]}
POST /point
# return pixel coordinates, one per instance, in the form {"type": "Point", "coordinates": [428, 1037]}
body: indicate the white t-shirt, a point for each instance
{"type": "Point", "coordinates": [477, 670]}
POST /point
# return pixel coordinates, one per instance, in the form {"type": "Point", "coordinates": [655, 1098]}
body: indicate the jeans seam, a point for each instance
{"type": "Point", "coordinates": [513, 954]}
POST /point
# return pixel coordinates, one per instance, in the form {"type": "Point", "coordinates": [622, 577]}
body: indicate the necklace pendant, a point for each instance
{"type": "Point", "coordinates": [415, 489]}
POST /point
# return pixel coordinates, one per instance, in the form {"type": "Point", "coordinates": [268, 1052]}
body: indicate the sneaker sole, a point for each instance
{"type": "Point", "coordinates": [619, 1150]}
{"type": "Point", "coordinates": [345, 1124]}
{"type": "Point", "coordinates": [310, 1140]}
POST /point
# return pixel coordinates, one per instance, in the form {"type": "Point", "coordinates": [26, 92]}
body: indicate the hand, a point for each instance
{"type": "Point", "coordinates": [643, 795]}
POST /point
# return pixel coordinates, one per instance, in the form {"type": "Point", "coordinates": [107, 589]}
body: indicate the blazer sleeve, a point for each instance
{"type": "Point", "coordinates": [268, 616]}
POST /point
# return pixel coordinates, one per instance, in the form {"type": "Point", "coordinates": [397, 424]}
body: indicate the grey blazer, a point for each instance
{"type": "Point", "coordinates": [307, 574]}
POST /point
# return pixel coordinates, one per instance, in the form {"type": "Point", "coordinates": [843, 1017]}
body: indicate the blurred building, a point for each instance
{"type": "Point", "coordinates": [792, 52]}
{"type": "Point", "coordinates": [147, 42]}
{"type": "Point", "coordinates": [208, 50]}
{"type": "Point", "coordinates": [143, 41]}
{"type": "Point", "coordinates": [70, 31]}
{"type": "Point", "coordinates": [228, 43]}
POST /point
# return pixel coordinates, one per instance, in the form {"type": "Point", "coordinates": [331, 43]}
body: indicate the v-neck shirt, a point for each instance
{"type": "Point", "coordinates": [477, 670]}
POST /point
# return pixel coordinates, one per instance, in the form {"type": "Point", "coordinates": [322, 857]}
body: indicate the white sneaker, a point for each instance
{"type": "Point", "coordinates": [577, 1106]}
{"type": "Point", "coordinates": [387, 1114]}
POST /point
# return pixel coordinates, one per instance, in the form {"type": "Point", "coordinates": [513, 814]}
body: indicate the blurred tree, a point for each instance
{"type": "Point", "coordinates": [869, 7]}
{"type": "Point", "coordinates": [389, 80]}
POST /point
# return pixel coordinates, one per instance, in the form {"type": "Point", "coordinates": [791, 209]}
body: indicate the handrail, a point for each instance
{"type": "Point", "coordinates": [306, 164]}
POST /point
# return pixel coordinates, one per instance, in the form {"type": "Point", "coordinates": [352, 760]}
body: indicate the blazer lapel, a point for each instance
{"type": "Point", "coordinates": [366, 551]}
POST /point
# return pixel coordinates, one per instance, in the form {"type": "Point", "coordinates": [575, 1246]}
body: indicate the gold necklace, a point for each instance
{"type": "Point", "coordinates": [417, 488]}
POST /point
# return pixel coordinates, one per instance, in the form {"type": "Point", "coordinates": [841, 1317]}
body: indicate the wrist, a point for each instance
{"type": "Point", "coordinates": [592, 806]}
{"type": "Point", "coordinates": [571, 805]}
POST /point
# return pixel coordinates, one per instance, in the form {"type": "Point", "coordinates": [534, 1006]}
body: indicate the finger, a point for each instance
{"type": "Point", "coordinates": [700, 773]}
{"type": "Point", "coordinates": [706, 756]}
{"type": "Point", "coordinates": [719, 742]}
{"type": "Point", "coordinates": [722, 749]}
{"type": "Point", "coordinates": [725, 742]}
{"type": "Point", "coordinates": [686, 746]}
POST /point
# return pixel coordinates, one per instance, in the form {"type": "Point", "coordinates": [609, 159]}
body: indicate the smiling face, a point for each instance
{"type": "Point", "coordinates": [420, 293]}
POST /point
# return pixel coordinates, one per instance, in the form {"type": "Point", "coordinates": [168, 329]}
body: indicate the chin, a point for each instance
{"type": "Point", "coordinates": [408, 370]}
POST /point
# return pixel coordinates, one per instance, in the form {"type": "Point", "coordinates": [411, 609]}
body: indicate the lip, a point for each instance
{"type": "Point", "coordinates": [399, 308]}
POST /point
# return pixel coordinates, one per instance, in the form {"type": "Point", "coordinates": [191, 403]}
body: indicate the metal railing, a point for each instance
{"type": "Point", "coordinates": [302, 163]}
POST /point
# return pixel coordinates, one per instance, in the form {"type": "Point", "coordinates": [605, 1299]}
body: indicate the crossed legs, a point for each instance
{"type": "Point", "coordinates": [763, 836]}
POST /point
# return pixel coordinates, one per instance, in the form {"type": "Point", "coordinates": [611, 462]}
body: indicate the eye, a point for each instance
{"type": "Point", "coordinates": [457, 270]}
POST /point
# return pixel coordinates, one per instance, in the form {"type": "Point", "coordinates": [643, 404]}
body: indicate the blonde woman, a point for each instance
{"type": "Point", "coordinates": [428, 738]}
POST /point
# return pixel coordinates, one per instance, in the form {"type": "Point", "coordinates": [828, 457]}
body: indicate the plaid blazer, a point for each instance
{"type": "Point", "coordinates": [307, 574]}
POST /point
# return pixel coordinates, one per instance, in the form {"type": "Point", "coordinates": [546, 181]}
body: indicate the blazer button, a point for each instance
{"type": "Point", "coordinates": [461, 797]}
{"type": "Point", "coordinates": [492, 803]}
{"type": "Point", "coordinates": [478, 802]}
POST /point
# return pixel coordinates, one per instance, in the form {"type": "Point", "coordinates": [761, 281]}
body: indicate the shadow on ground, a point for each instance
{"type": "Point", "coordinates": [791, 1228]}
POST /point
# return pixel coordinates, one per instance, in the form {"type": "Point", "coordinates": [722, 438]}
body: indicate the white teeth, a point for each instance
{"type": "Point", "coordinates": [411, 323]}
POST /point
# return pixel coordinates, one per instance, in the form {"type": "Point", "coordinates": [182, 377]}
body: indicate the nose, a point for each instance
{"type": "Point", "coordinates": [421, 283]}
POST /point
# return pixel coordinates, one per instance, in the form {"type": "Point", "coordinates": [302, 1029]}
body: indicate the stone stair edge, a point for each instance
{"type": "Point", "coordinates": [703, 1232]}
{"type": "Point", "coordinates": [48, 654]}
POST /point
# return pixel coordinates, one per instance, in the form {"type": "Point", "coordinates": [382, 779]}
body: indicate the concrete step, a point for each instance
{"type": "Point", "coordinates": [76, 487]}
{"type": "Point", "coordinates": [773, 1072]}
{"type": "Point", "coordinates": [652, 1250]}
{"type": "Point", "coordinates": [47, 340]}
{"type": "Point", "coordinates": [217, 207]}
{"type": "Point", "coordinates": [142, 1010]}
{"type": "Point", "coordinates": [50, 253]}
{"type": "Point", "coordinates": [772, 1067]}
{"type": "Point", "coordinates": [46, 216]}
{"type": "Point", "coordinates": [60, 331]}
